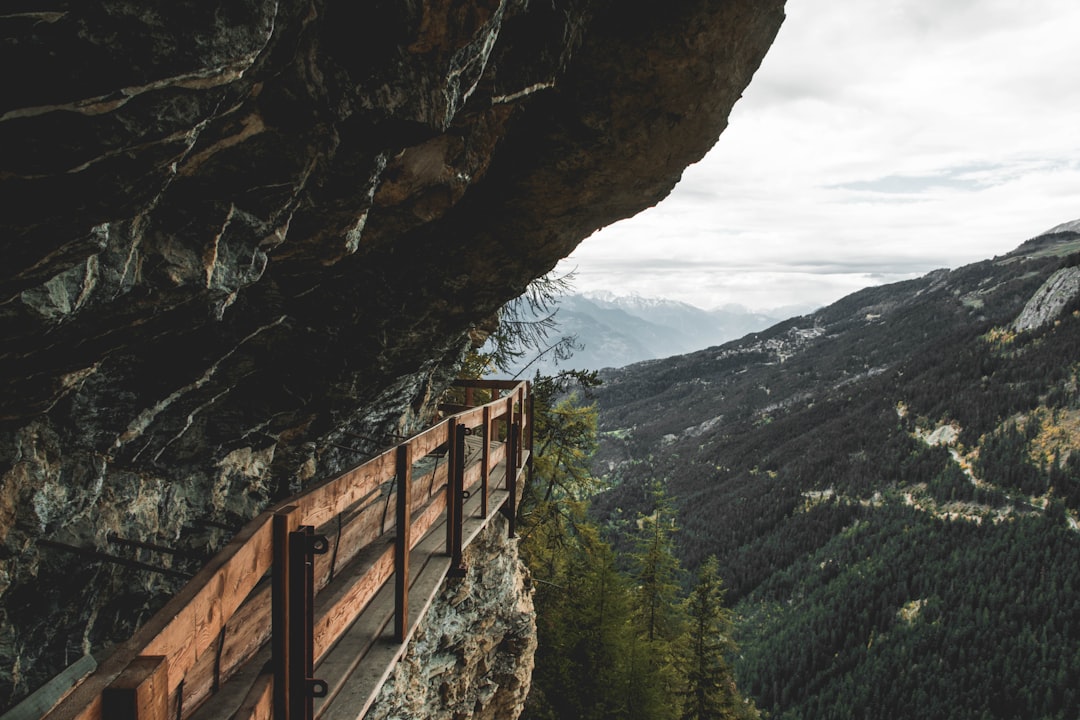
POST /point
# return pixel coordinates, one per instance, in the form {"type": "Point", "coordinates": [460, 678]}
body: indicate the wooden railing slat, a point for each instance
{"type": "Point", "coordinates": [323, 503]}
{"type": "Point", "coordinates": [426, 442]}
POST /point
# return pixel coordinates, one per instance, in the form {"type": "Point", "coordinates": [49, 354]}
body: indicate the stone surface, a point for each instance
{"type": "Point", "coordinates": [1046, 304]}
{"type": "Point", "coordinates": [244, 243]}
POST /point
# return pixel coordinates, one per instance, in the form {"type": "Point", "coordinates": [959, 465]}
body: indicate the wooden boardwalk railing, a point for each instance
{"type": "Point", "coordinates": [295, 579]}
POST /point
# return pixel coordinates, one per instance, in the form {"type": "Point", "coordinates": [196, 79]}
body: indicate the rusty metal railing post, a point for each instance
{"type": "Point", "coordinates": [485, 460]}
{"type": "Point", "coordinates": [293, 616]}
{"type": "Point", "coordinates": [284, 523]}
{"type": "Point", "coordinates": [521, 427]}
{"type": "Point", "coordinates": [403, 542]}
{"type": "Point", "coordinates": [510, 508]}
{"type": "Point", "coordinates": [530, 418]}
{"type": "Point", "coordinates": [455, 502]}
{"type": "Point", "coordinates": [452, 461]}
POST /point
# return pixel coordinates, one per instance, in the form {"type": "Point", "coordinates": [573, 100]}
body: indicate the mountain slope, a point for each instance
{"type": "Point", "coordinates": [613, 331]}
{"type": "Point", "coordinates": [891, 487]}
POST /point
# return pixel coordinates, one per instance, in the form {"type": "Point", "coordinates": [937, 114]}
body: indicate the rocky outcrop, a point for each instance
{"type": "Point", "coordinates": [244, 243]}
{"type": "Point", "coordinates": [472, 656]}
{"type": "Point", "coordinates": [1046, 304]}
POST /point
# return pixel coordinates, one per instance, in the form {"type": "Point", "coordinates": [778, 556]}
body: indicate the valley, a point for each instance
{"type": "Point", "coordinates": [891, 486]}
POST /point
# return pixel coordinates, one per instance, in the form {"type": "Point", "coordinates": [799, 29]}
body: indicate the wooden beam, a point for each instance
{"type": "Point", "coordinates": [140, 692]}
{"type": "Point", "coordinates": [38, 703]}
{"type": "Point", "coordinates": [323, 503]}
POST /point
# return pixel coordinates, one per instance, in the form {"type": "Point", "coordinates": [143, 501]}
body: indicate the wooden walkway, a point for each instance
{"type": "Point", "coordinates": [305, 613]}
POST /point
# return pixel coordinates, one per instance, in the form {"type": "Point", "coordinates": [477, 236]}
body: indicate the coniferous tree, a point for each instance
{"type": "Point", "coordinates": [656, 572]}
{"type": "Point", "coordinates": [652, 675]}
{"type": "Point", "coordinates": [710, 692]}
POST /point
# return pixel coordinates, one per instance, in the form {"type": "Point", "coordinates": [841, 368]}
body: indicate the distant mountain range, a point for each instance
{"type": "Point", "coordinates": [614, 331]}
{"type": "Point", "coordinates": [891, 485]}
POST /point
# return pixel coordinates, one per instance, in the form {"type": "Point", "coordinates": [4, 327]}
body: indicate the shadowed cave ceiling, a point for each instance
{"type": "Point", "coordinates": [244, 243]}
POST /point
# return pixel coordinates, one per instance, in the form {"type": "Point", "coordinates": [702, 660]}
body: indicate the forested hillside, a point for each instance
{"type": "Point", "coordinates": [891, 486]}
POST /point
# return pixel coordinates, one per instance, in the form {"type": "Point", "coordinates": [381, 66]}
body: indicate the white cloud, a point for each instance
{"type": "Point", "coordinates": [879, 140]}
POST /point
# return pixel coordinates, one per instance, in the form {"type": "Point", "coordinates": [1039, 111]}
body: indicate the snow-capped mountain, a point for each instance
{"type": "Point", "coordinates": [618, 330]}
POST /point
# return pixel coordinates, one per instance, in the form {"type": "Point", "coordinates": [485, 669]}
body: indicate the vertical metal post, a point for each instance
{"type": "Point", "coordinates": [509, 420]}
{"type": "Point", "coordinates": [293, 616]}
{"type": "Point", "coordinates": [403, 542]}
{"type": "Point", "coordinates": [457, 499]}
{"type": "Point", "coordinates": [511, 478]}
{"type": "Point", "coordinates": [284, 523]}
{"type": "Point", "coordinates": [453, 459]}
{"type": "Point", "coordinates": [485, 459]}
{"type": "Point", "coordinates": [520, 419]}
{"type": "Point", "coordinates": [299, 584]}
{"type": "Point", "coordinates": [530, 417]}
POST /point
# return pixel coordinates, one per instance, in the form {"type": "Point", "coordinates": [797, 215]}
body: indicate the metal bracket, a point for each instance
{"type": "Point", "coordinates": [317, 688]}
{"type": "Point", "coordinates": [317, 545]}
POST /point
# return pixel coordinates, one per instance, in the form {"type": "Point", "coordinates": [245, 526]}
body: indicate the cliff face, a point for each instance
{"type": "Point", "coordinates": [244, 242]}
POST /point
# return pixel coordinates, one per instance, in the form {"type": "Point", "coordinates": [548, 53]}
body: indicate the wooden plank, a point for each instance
{"type": "Point", "coordinates": [471, 418]}
{"type": "Point", "coordinates": [188, 629]}
{"type": "Point", "coordinates": [365, 526]}
{"type": "Point", "coordinates": [427, 517]}
{"type": "Point", "coordinates": [426, 442]}
{"type": "Point", "coordinates": [352, 582]}
{"type": "Point", "coordinates": [367, 654]}
{"type": "Point", "coordinates": [365, 657]}
{"type": "Point", "coordinates": [245, 633]}
{"type": "Point", "coordinates": [259, 703]}
{"type": "Point", "coordinates": [336, 611]}
{"type": "Point", "coordinates": [223, 583]}
{"type": "Point", "coordinates": [427, 483]}
{"type": "Point", "coordinates": [48, 695]}
{"type": "Point", "coordinates": [228, 701]}
{"type": "Point", "coordinates": [487, 384]}
{"type": "Point", "coordinates": [252, 624]}
{"type": "Point", "coordinates": [196, 626]}
{"type": "Point", "coordinates": [322, 503]}
{"type": "Point", "coordinates": [498, 455]}
{"type": "Point", "coordinates": [140, 692]}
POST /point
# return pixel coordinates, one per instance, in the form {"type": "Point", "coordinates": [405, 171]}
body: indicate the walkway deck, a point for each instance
{"type": "Point", "coordinates": [306, 611]}
{"type": "Point", "coordinates": [364, 656]}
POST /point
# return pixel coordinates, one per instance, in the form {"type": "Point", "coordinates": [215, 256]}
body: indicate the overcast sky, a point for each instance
{"type": "Point", "coordinates": [880, 139]}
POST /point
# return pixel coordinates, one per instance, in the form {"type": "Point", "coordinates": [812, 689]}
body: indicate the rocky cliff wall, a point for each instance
{"type": "Point", "coordinates": [244, 241]}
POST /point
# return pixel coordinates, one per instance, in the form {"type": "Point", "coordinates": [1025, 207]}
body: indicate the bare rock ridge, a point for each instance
{"type": "Point", "coordinates": [244, 242]}
{"type": "Point", "coordinates": [1046, 305]}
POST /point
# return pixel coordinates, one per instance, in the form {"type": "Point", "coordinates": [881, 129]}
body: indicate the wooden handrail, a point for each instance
{"type": "Point", "coordinates": [220, 619]}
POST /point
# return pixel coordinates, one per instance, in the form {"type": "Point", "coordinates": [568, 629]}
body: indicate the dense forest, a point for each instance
{"type": "Point", "coordinates": [889, 487]}
{"type": "Point", "coordinates": [619, 637]}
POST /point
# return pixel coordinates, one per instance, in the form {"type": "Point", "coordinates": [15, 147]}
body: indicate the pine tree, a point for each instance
{"type": "Point", "coordinates": [710, 689]}
{"type": "Point", "coordinates": [656, 572]}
